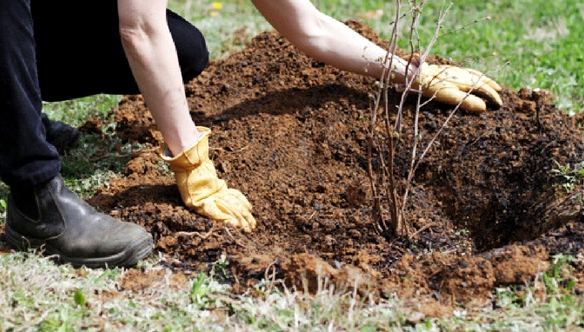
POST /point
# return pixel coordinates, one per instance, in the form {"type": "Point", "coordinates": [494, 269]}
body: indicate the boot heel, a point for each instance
{"type": "Point", "coordinates": [21, 242]}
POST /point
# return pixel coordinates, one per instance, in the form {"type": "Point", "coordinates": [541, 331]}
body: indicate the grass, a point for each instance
{"type": "Point", "coordinates": [521, 43]}
{"type": "Point", "coordinates": [38, 295]}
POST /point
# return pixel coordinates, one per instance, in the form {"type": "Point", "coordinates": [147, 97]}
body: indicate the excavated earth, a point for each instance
{"type": "Point", "coordinates": [486, 208]}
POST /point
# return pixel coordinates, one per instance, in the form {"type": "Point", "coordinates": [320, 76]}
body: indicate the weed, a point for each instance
{"type": "Point", "coordinates": [219, 267]}
{"type": "Point", "coordinates": [199, 291]}
{"type": "Point", "coordinates": [557, 278]}
{"type": "Point", "coordinates": [568, 176]}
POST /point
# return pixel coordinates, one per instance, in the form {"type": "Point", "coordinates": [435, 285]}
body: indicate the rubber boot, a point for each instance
{"type": "Point", "coordinates": [61, 224]}
{"type": "Point", "coordinates": [61, 135]}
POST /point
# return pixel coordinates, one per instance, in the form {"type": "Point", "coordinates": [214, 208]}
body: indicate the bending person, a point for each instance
{"type": "Point", "coordinates": [138, 46]}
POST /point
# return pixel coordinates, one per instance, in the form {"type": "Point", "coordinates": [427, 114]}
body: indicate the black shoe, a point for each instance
{"type": "Point", "coordinates": [64, 225]}
{"type": "Point", "coordinates": [63, 136]}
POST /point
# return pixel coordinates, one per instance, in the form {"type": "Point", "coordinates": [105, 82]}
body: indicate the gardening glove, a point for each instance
{"type": "Point", "coordinates": [451, 85]}
{"type": "Point", "coordinates": [203, 191]}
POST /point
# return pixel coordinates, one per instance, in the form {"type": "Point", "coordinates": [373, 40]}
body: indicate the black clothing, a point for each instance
{"type": "Point", "coordinates": [79, 50]}
{"type": "Point", "coordinates": [62, 50]}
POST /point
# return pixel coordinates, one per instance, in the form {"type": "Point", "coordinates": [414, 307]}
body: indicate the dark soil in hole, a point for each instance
{"type": "Point", "coordinates": [291, 134]}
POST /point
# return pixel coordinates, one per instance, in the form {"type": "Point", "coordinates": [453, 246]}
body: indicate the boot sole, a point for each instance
{"type": "Point", "coordinates": [130, 256]}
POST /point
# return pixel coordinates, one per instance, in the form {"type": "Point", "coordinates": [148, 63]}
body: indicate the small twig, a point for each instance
{"type": "Point", "coordinates": [232, 237]}
{"type": "Point", "coordinates": [230, 149]}
{"type": "Point", "coordinates": [272, 277]}
{"type": "Point", "coordinates": [421, 230]}
{"type": "Point", "coordinates": [123, 155]}
{"type": "Point", "coordinates": [224, 298]}
{"type": "Point", "coordinates": [202, 236]}
{"type": "Point", "coordinates": [486, 18]}
{"type": "Point", "coordinates": [312, 215]}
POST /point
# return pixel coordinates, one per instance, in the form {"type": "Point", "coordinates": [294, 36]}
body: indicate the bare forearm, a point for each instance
{"type": "Point", "coordinates": [155, 69]}
{"type": "Point", "coordinates": [327, 39]}
{"type": "Point", "coordinates": [152, 57]}
{"type": "Point", "coordinates": [340, 46]}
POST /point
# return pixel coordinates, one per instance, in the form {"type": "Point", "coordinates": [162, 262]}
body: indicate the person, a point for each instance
{"type": "Point", "coordinates": [56, 51]}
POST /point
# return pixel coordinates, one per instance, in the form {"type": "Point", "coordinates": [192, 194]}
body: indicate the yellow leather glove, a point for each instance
{"type": "Point", "coordinates": [451, 85]}
{"type": "Point", "coordinates": [203, 191]}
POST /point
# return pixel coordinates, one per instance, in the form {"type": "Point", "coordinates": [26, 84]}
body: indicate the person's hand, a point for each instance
{"type": "Point", "coordinates": [203, 191]}
{"type": "Point", "coordinates": [453, 85]}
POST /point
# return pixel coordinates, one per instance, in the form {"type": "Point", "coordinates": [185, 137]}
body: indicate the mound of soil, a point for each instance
{"type": "Point", "coordinates": [485, 209]}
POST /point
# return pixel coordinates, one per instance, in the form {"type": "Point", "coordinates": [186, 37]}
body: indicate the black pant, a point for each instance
{"type": "Point", "coordinates": [58, 50]}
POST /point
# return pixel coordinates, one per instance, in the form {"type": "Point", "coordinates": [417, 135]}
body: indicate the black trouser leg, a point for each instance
{"type": "Point", "coordinates": [26, 158]}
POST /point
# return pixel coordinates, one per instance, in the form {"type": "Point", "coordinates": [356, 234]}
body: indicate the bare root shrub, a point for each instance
{"type": "Point", "coordinates": [385, 140]}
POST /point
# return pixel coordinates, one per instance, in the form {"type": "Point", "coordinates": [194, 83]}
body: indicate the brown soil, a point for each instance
{"type": "Point", "coordinates": [291, 133]}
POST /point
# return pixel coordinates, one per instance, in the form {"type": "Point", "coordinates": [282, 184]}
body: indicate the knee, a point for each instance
{"type": "Point", "coordinates": [190, 44]}
{"type": "Point", "coordinates": [195, 57]}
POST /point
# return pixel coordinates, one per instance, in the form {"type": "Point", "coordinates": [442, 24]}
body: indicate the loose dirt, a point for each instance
{"type": "Point", "coordinates": [485, 210]}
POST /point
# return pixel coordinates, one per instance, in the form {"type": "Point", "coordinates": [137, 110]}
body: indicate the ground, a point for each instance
{"type": "Point", "coordinates": [485, 207]}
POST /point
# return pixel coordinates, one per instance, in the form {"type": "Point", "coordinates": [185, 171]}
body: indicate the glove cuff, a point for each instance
{"type": "Point", "coordinates": [195, 173]}
{"type": "Point", "coordinates": [190, 158]}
